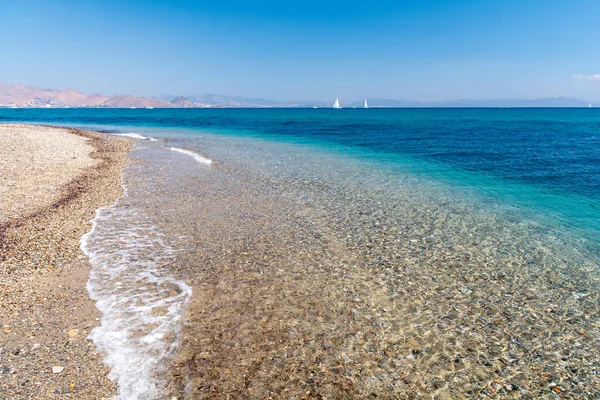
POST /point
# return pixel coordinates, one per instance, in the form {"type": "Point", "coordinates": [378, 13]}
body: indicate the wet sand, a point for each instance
{"type": "Point", "coordinates": [53, 180]}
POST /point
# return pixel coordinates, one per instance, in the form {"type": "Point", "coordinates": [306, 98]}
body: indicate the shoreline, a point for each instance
{"type": "Point", "coordinates": [46, 312]}
{"type": "Point", "coordinates": [311, 289]}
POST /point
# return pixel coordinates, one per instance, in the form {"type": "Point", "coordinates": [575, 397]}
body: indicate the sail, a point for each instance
{"type": "Point", "coordinates": [337, 103]}
{"type": "Point", "coordinates": [366, 105]}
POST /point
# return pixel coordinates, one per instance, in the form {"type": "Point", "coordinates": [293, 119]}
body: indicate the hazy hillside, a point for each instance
{"type": "Point", "coordinates": [491, 103]}
{"type": "Point", "coordinates": [182, 102]}
{"type": "Point", "coordinates": [133, 101]}
{"type": "Point", "coordinates": [31, 96]}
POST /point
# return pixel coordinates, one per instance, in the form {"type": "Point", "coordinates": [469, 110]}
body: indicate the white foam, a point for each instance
{"type": "Point", "coordinates": [141, 302]}
{"type": "Point", "coordinates": [198, 157]}
{"type": "Point", "coordinates": [137, 136]}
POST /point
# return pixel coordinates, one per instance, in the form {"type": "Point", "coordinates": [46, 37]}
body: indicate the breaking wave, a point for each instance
{"type": "Point", "coordinates": [201, 159]}
{"type": "Point", "coordinates": [141, 302]}
{"type": "Point", "coordinates": [137, 136]}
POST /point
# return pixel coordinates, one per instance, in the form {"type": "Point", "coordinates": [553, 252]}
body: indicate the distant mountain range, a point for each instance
{"type": "Point", "coordinates": [20, 96]}
{"type": "Point", "coordinates": [217, 100]}
{"type": "Point", "coordinates": [545, 102]}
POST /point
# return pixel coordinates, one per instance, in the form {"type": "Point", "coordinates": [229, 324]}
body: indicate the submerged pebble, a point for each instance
{"type": "Point", "coordinates": [453, 299]}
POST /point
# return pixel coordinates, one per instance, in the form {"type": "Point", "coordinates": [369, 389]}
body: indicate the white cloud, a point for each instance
{"type": "Point", "coordinates": [593, 77]}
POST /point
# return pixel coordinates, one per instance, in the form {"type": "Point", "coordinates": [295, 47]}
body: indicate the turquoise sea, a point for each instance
{"type": "Point", "coordinates": [543, 161]}
{"type": "Point", "coordinates": [495, 210]}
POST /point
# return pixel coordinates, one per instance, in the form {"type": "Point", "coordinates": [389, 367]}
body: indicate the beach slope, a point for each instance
{"type": "Point", "coordinates": [52, 181]}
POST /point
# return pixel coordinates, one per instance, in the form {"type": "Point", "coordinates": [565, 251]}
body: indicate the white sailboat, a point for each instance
{"type": "Point", "coordinates": [366, 105]}
{"type": "Point", "coordinates": [590, 106]}
{"type": "Point", "coordinates": [337, 103]}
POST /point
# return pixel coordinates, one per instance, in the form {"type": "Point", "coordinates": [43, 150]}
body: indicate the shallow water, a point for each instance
{"type": "Point", "coordinates": [141, 301]}
{"type": "Point", "coordinates": [402, 287]}
{"type": "Point", "coordinates": [411, 253]}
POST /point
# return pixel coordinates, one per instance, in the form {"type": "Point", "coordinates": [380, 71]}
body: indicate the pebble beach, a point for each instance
{"type": "Point", "coordinates": [53, 180]}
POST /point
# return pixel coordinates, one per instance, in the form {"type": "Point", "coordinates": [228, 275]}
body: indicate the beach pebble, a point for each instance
{"type": "Point", "coordinates": [73, 332]}
{"type": "Point", "coordinates": [57, 369]}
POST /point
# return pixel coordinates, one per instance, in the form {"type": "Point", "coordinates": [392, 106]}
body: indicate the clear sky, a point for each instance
{"type": "Point", "coordinates": [304, 50]}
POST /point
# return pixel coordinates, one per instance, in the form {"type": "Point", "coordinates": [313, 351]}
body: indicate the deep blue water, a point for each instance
{"type": "Point", "coordinates": [545, 159]}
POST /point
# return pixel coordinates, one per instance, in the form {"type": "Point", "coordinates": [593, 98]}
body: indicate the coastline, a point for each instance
{"type": "Point", "coordinates": [312, 288]}
{"type": "Point", "coordinates": [46, 312]}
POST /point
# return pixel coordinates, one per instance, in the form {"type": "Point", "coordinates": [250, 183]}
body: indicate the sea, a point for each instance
{"type": "Point", "coordinates": [414, 253]}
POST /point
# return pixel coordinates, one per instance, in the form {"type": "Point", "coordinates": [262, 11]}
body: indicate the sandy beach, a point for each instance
{"type": "Point", "coordinates": [53, 180]}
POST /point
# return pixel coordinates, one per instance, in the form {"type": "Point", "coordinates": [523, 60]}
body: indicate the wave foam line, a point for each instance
{"type": "Point", "coordinates": [198, 157]}
{"type": "Point", "coordinates": [141, 303]}
{"type": "Point", "coordinates": [137, 136]}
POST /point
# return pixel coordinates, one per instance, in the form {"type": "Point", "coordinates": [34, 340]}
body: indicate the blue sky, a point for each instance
{"type": "Point", "coordinates": [305, 50]}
